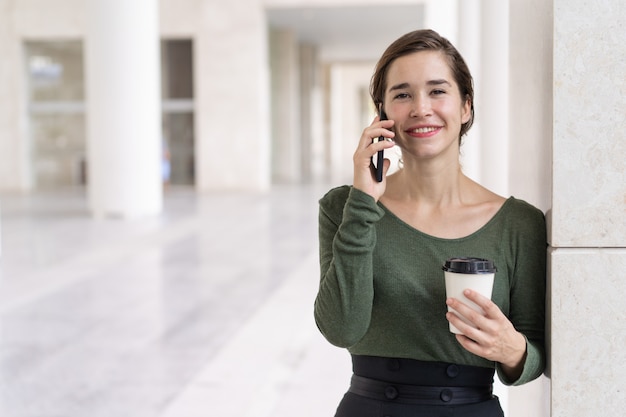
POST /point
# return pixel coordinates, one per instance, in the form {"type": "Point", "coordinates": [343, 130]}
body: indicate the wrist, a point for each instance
{"type": "Point", "coordinates": [514, 365]}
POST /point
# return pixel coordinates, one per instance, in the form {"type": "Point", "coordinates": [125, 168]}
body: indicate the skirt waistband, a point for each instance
{"type": "Point", "coordinates": [423, 395]}
{"type": "Point", "coordinates": [421, 373]}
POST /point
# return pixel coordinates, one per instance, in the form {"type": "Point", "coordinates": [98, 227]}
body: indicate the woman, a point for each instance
{"type": "Point", "coordinates": [383, 245]}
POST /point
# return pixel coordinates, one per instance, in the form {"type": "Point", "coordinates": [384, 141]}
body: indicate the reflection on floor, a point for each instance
{"type": "Point", "coordinates": [202, 310]}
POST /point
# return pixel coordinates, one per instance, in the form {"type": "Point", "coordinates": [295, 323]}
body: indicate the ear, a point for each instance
{"type": "Point", "coordinates": [466, 110]}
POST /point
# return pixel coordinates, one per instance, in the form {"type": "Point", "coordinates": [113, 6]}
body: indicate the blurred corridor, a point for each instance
{"type": "Point", "coordinates": [202, 310]}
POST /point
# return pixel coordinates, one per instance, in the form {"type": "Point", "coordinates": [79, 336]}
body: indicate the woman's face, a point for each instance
{"type": "Point", "coordinates": [424, 100]}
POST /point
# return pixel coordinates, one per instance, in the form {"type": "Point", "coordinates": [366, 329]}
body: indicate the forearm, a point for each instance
{"type": "Point", "coordinates": [528, 300]}
{"type": "Point", "coordinates": [344, 301]}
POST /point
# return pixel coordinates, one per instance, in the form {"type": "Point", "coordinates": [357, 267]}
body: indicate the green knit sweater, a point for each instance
{"type": "Point", "coordinates": [382, 289]}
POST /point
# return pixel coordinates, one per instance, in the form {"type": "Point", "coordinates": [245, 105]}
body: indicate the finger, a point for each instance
{"type": "Point", "coordinates": [472, 345]}
{"type": "Point", "coordinates": [364, 154]}
{"type": "Point", "coordinates": [363, 157]}
{"type": "Point", "coordinates": [475, 318]}
{"type": "Point", "coordinates": [471, 338]}
{"type": "Point", "coordinates": [457, 321]}
{"type": "Point", "coordinates": [380, 139]}
{"type": "Point", "coordinates": [387, 123]}
{"type": "Point", "coordinates": [377, 129]}
{"type": "Point", "coordinates": [379, 144]}
{"type": "Point", "coordinates": [488, 306]}
{"type": "Point", "coordinates": [465, 324]}
{"type": "Point", "coordinates": [464, 309]}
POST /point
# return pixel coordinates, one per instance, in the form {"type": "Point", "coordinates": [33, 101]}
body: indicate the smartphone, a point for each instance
{"type": "Point", "coordinates": [380, 157]}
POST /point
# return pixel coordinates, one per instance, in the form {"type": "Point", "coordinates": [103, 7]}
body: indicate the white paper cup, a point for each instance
{"type": "Point", "coordinates": [463, 273]}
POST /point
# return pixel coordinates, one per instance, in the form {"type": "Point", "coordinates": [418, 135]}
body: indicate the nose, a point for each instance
{"type": "Point", "coordinates": [421, 107]}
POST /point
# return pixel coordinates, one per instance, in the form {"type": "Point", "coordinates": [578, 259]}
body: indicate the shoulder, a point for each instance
{"type": "Point", "coordinates": [523, 208]}
{"type": "Point", "coordinates": [524, 216]}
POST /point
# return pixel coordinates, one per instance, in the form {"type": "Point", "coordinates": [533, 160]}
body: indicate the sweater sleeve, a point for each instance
{"type": "Point", "coordinates": [528, 292]}
{"type": "Point", "coordinates": [347, 237]}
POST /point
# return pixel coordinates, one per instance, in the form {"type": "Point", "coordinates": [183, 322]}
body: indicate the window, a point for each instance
{"type": "Point", "coordinates": [56, 112]}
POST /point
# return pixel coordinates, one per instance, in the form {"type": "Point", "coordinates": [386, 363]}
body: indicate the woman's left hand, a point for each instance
{"type": "Point", "coordinates": [491, 336]}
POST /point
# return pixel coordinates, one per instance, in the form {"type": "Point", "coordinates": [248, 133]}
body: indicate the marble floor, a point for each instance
{"type": "Point", "coordinates": [204, 309]}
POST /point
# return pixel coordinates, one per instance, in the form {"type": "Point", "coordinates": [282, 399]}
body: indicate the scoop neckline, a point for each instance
{"type": "Point", "coordinates": [492, 220]}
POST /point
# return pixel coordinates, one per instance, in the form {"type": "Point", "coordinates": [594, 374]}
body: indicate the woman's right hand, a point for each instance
{"type": "Point", "coordinates": [364, 176]}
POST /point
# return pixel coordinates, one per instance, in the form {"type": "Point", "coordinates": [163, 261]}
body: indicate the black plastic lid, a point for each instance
{"type": "Point", "coordinates": [469, 266]}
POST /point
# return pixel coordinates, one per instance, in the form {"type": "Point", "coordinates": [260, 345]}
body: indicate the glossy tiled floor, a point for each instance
{"type": "Point", "coordinates": [202, 310]}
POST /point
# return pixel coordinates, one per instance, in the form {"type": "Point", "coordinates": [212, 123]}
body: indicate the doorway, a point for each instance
{"type": "Point", "coordinates": [178, 109]}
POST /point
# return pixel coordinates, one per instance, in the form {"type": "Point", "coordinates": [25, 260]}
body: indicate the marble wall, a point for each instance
{"type": "Point", "coordinates": [588, 332]}
{"type": "Point", "coordinates": [589, 119]}
{"type": "Point", "coordinates": [588, 228]}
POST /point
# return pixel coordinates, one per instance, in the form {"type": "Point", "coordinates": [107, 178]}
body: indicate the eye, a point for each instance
{"type": "Point", "coordinates": [437, 92]}
{"type": "Point", "coordinates": [401, 96]}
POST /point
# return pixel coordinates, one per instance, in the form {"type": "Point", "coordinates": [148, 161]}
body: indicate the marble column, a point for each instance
{"type": "Point", "coordinates": [14, 169]}
{"type": "Point", "coordinates": [442, 16]}
{"type": "Point", "coordinates": [588, 232]}
{"type": "Point", "coordinates": [5, 35]}
{"type": "Point", "coordinates": [232, 96]}
{"type": "Point", "coordinates": [308, 64]}
{"type": "Point", "coordinates": [493, 96]}
{"type": "Point", "coordinates": [469, 45]}
{"type": "Point", "coordinates": [285, 137]}
{"type": "Point", "coordinates": [530, 98]}
{"type": "Point", "coordinates": [123, 108]}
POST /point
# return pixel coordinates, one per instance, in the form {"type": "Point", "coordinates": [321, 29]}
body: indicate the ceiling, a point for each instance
{"type": "Point", "coordinates": [351, 32]}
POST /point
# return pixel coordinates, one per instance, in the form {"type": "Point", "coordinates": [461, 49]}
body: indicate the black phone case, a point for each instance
{"type": "Point", "coordinates": [380, 157]}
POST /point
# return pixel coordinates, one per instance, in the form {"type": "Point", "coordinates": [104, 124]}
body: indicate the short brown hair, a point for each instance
{"type": "Point", "coordinates": [424, 40]}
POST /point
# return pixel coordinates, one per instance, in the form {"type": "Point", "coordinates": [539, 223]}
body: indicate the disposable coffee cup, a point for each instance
{"type": "Point", "coordinates": [463, 273]}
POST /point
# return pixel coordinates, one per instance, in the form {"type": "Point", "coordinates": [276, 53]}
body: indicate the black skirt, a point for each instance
{"type": "Point", "coordinates": [390, 387]}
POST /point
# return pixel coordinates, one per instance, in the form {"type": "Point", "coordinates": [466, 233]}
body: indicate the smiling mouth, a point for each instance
{"type": "Point", "coordinates": [424, 129]}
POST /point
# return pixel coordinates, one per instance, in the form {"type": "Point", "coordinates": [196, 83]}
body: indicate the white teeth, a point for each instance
{"type": "Point", "coordinates": [424, 129]}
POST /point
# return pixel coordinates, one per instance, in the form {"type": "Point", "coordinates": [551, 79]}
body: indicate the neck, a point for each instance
{"type": "Point", "coordinates": [431, 182]}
